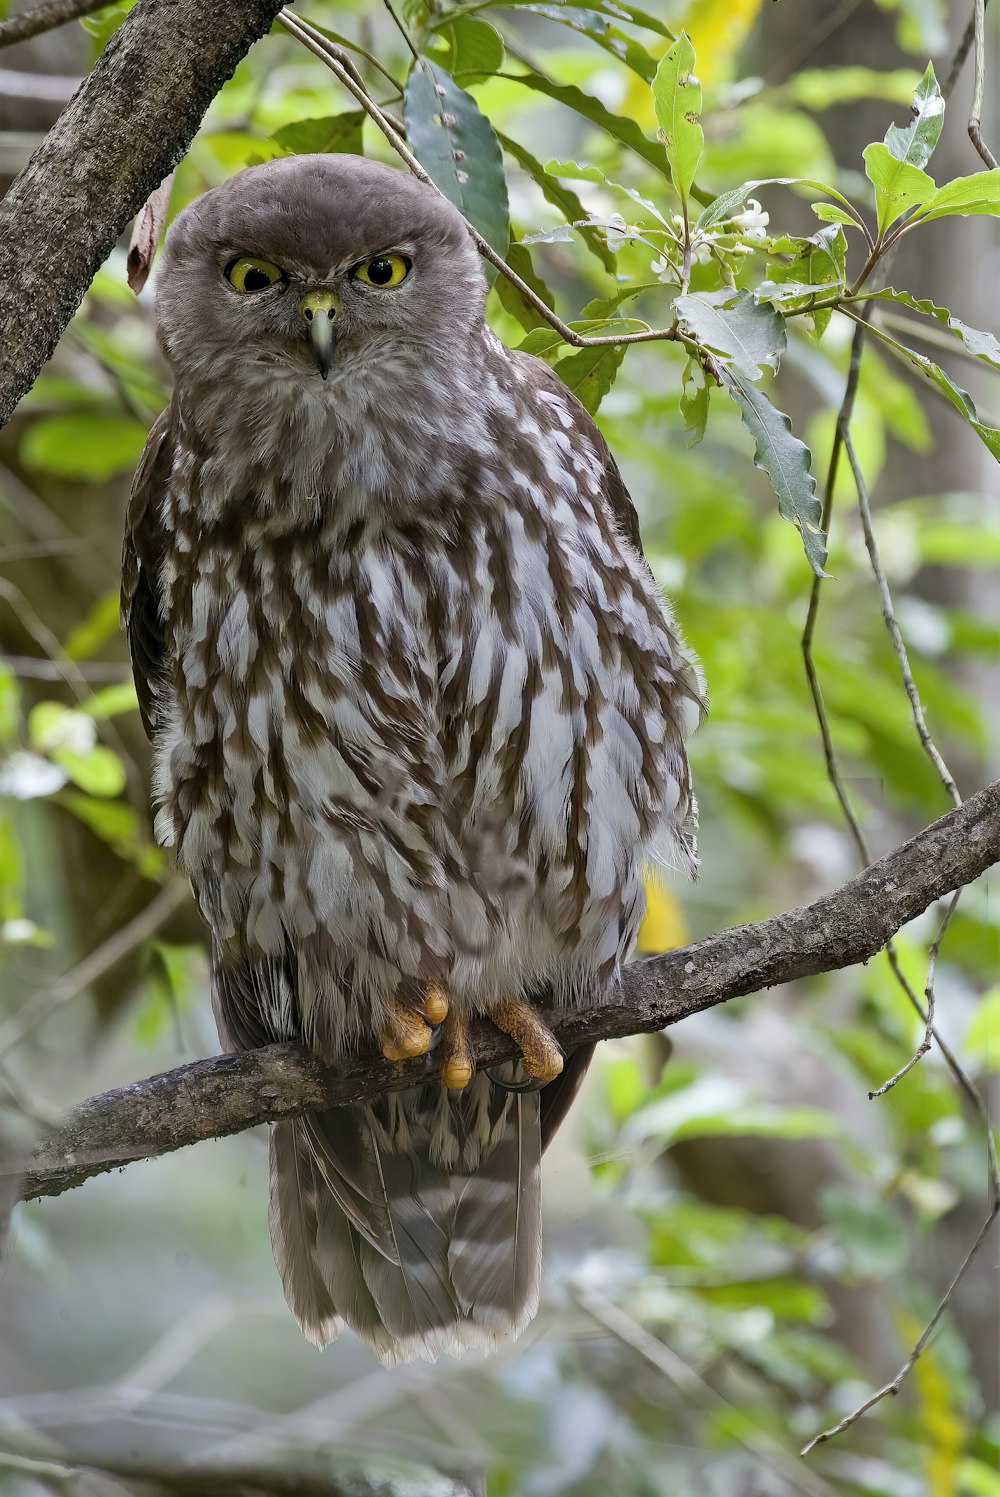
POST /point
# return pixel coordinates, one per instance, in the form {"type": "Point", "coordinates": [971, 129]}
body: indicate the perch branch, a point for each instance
{"type": "Point", "coordinates": [123, 131]}
{"type": "Point", "coordinates": [227, 1094]}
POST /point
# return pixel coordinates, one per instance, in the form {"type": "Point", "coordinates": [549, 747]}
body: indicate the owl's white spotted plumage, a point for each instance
{"type": "Point", "coordinates": [417, 710]}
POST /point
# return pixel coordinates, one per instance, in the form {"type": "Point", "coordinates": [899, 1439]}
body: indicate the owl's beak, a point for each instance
{"type": "Point", "coordinates": [320, 310]}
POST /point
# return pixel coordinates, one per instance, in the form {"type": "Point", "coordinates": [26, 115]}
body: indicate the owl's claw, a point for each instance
{"type": "Point", "coordinates": [456, 1053]}
{"type": "Point", "coordinates": [540, 1052]}
{"type": "Point", "coordinates": [409, 1031]}
{"type": "Point", "coordinates": [403, 1033]}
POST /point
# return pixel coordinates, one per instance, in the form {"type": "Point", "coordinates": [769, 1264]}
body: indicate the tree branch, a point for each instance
{"type": "Point", "coordinates": [123, 131]}
{"type": "Point", "coordinates": [46, 17]}
{"type": "Point", "coordinates": [213, 1098]}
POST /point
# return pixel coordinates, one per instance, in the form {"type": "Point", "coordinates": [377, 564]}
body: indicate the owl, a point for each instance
{"type": "Point", "coordinates": [418, 715]}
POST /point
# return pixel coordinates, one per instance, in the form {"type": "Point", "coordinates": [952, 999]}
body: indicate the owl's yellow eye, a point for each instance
{"type": "Point", "coordinates": [382, 270]}
{"type": "Point", "coordinates": [250, 273]}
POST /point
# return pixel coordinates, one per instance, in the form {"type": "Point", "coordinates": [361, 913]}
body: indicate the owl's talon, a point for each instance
{"type": "Point", "coordinates": [403, 1034]}
{"type": "Point", "coordinates": [435, 1005]}
{"type": "Point", "coordinates": [539, 1047]}
{"type": "Point", "coordinates": [456, 1053]}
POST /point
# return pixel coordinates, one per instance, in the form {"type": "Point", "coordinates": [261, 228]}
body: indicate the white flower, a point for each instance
{"type": "Point", "coordinates": [662, 269]}
{"type": "Point", "coordinates": [18, 932]}
{"type": "Point", "coordinates": [617, 230]}
{"type": "Point", "coordinates": [27, 776]}
{"type": "Point", "coordinates": [753, 221]}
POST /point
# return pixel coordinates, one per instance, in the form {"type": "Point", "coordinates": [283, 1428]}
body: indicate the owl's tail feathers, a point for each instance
{"type": "Point", "coordinates": [371, 1230]}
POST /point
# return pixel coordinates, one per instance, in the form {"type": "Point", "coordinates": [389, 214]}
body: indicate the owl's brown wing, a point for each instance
{"type": "Point", "coordinates": [142, 557]}
{"type": "Point", "coordinates": [558, 1096]}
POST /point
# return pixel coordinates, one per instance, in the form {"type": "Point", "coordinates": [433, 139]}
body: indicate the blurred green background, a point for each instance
{"type": "Point", "coordinates": [739, 1244]}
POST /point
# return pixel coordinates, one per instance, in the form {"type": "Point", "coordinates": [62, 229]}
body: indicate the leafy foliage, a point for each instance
{"type": "Point", "coordinates": [730, 1233]}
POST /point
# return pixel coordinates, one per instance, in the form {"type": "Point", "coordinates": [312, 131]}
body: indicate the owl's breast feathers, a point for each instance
{"type": "Point", "coordinates": [437, 739]}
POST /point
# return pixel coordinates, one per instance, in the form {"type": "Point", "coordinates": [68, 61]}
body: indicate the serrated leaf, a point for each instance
{"type": "Point", "coordinates": [965, 196]}
{"type": "Point", "coordinates": [562, 198]}
{"type": "Point", "coordinates": [598, 28]}
{"type": "Point", "coordinates": [959, 398]}
{"type": "Point", "coordinates": [457, 147]}
{"type": "Point", "coordinates": [677, 99]}
{"type": "Point", "coordinates": [982, 345]}
{"type": "Point", "coordinates": [751, 336]}
{"type": "Point", "coordinates": [898, 186]}
{"type": "Point", "coordinates": [331, 133]}
{"type": "Point", "coordinates": [786, 461]}
{"type": "Point", "coordinates": [915, 142]}
{"type": "Point", "coordinates": [622, 129]}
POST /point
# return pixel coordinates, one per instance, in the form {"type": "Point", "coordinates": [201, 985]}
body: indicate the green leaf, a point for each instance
{"type": "Point", "coordinates": [976, 194]}
{"type": "Point", "coordinates": [519, 260]}
{"type": "Point", "coordinates": [898, 186]}
{"type": "Point", "coordinates": [870, 1234]}
{"type": "Point", "coordinates": [562, 198]}
{"type": "Point", "coordinates": [982, 1037]}
{"type": "Point", "coordinates": [821, 88]}
{"type": "Point", "coordinates": [456, 145]}
{"type": "Point", "coordinates": [694, 402]}
{"type": "Point", "coordinates": [982, 345]}
{"type": "Point", "coordinates": [915, 142]}
{"type": "Point", "coordinates": [117, 824]}
{"type": "Point", "coordinates": [786, 462]}
{"type": "Point", "coordinates": [111, 701]}
{"type": "Point", "coordinates": [728, 203]}
{"type": "Point", "coordinates": [100, 624]}
{"type": "Point", "coordinates": [830, 213]}
{"type": "Point", "coordinates": [99, 771]}
{"type": "Point", "coordinates": [817, 265]}
{"type": "Point", "coordinates": [597, 28]}
{"type": "Point", "coordinates": [622, 129]}
{"type": "Point", "coordinates": [591, 372]}
{"type": "Point", "coordinates": [476, 47]}
{"type": "Point", "coordinates": [334, 132]}
{"type": "Point", "coordinates": [959, 398]}
{"type": "Point", "coordinates": [677, 97]}
{"type": "Point", "coordinates": [750, 335]}
{"type": "Point", "coordinates": [89, 447]}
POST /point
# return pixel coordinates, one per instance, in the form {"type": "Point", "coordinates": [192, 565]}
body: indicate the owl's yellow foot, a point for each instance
{"type": "Point", "coordinates": [456, 1053]}
{"type": "Point", "coordinates": [403, 1033]}
{"type": "Point", "coordinates": [539, 1047]}
{"type": "Point", "coordinates": [435, 1005]}
{"type": "Point", "coordinates": [408, 1031]}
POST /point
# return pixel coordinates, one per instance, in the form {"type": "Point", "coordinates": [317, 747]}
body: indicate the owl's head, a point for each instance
{"type": "Point", "coordinates": [316, 268]}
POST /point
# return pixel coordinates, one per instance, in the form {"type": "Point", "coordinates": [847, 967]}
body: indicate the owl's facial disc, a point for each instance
{"type": "Point", "coordinates": [319, 310]}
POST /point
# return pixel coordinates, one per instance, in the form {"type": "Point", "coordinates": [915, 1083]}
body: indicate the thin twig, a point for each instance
{"type": "Point", "coordinates": [892, 1388]}
{"type": "Point", "coordinates": [808, 632]}
{"type": "Point", "coordinates": [402, 29]}
{"type": "Point", "coordinates": [889, 615]}
{"type": "Point", "coordinates": [975, 114]}
{"type": "Point", "coordinates": [46, 17]}
{"type": "Point", "coordinates": [45, 1002]}
{"type": "Point", "coordinates": [925, 1043]}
